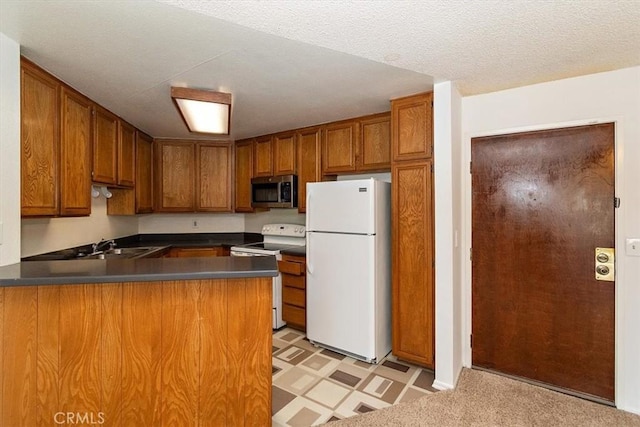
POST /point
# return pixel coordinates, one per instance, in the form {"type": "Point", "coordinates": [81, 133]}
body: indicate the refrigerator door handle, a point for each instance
{"type": "Point", "coordinates": [308, 262]}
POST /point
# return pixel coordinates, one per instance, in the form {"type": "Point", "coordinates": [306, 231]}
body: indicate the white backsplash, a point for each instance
{"type": "Point", "coordinates": [191, 223]}
{"type": "Point", "coordinates": [52, 234]}
{"type": "Point", "coordinates": [253, 222]}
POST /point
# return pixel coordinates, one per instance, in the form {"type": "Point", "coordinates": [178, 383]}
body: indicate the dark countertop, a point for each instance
{"type": "Point", "coordinates": [185, 240]}
{"type": "Point", "coordinates": [135, 270]}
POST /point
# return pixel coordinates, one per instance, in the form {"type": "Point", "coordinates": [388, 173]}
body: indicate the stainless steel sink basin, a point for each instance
{"type": "Point", "coordinates": [125, 253]}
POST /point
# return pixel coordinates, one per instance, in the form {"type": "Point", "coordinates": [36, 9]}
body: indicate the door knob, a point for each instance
{"type": "Point", "coordinates": [605, 264]}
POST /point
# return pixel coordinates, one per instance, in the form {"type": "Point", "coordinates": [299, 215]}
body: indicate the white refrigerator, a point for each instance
{"type": "Point", "coordinates": [349, 267]}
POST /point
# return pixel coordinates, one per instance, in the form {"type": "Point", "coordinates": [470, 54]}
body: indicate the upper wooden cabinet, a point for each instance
{"type": "Point", "coordinates": [339, 147]}
{"type": "Point", "coordinates": [263, 156]}
{"type": "Point", "coordinates": [243, 175]}
{"type": "Point", "coordinates": [175, 177]}
{"type": "Point", "coordinates": [412, 125]}
{"type": "Point", "coordinates": [374, 153]}
{"type": "Point", "coordinates": [357, 145]}
{"type": "Point", "coordinates": [193, 176]}
{"type": "Point", "coordinates": [284, 154]}
{"type": "Point", "coordinates": [40, 135]}
{"type": "Point", "coordinates": [126, 155]}
{"type": "Point", "coordinates": [113, 149]}
{"type": "Point", "coordinates": [144, 173]}
{"type": "Point", "coordinates": [105, 146]}
{"type": "Point", "coordinates": [75, 154]}
{"type": "Point", "coordinates": [213, 179]}
{"type": "Point", "coordinates": [309, 168]}
{"type": "Point", "coordinates": [55, 146]}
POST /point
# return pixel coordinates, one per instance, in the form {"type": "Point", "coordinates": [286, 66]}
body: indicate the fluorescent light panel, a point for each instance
{"type": "Point", "coordinates": [203, 111]}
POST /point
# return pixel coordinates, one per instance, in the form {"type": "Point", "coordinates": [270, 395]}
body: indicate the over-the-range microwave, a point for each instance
{"type": "Point", "coordinates": [274, 192]}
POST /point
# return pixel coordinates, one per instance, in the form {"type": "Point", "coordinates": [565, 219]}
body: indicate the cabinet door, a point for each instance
{"type": "Point", "coordinates": [75, 154]}
{"type": "Point", "coordinates": [308, 163]}
{"type": "Point", "coordinates": [175, 180]}
{"type": "Point", "coordinates": [339, 147]}
{"type": "Point", "coordinates": [375, 143]}
{"type": "Point", "coordinates": [144, 177]}
{"type": "Point", "coordinates": [412, 280]}
{"type": "Point", "coordinates": [126, 155]}
{"type": "Point", "coordinates": [412, 124]}
{"type": "Point", "coordinates": [195, 252]}
{"type": "Point", "coordinates": [284, 154]}
{"type": "Point", "coordinates": [263, 157]}
{"type": "Point", "coordinates": [213, 188]}
{"type": "Point", "coordinates": [243, 173]}
{"type": "Point", "coordinates": [40, 142]}
{"type": "Point", "coordinates": [105, 146]}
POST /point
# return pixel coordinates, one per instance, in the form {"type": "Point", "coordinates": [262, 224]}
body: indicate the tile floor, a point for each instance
{"type": "Point", "coordinates": [312, 386]}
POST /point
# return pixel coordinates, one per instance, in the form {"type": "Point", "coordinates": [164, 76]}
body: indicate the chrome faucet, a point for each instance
{"type": "Point", "coordinates": [98, 247]}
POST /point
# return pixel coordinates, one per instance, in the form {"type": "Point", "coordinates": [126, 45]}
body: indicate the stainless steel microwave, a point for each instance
{"type": "Point", "coordinates": [274, 192]}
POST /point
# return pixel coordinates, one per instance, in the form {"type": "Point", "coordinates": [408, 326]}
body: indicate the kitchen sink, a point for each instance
{"type": "Point", "coordinates": [125, 253]}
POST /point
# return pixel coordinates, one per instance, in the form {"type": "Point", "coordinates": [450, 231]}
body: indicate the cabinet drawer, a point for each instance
{"type": "Point", "coordinates": [294, 296]}
{"type": "Point", "coordinates": [293, 281]}
{"type": "Point", "coordinates": [294, 315]}
{"type": "Point", "coordinates": [294, 268]}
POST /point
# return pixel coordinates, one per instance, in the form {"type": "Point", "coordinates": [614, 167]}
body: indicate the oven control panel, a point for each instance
{"type": "Point", "coordinates": [291, 230]}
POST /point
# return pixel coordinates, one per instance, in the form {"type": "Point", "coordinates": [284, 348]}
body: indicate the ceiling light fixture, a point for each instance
{"type": "Point", "coordinates": [203, 111]}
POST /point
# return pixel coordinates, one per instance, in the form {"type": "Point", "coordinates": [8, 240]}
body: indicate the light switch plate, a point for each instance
{"type": "Point", "coordinates": [633, 247]}
{"type": "Point", "coordinates": [0, 233]}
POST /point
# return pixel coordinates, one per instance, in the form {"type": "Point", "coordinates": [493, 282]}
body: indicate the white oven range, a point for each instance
{"type": "Point", "coordinates": [276, 237]}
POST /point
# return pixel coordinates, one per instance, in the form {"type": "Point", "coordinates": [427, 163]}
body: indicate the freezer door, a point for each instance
{"type": "Point", "coordinates": [341, 292]}
{"type": "Point", "coordinates": [341, 206]}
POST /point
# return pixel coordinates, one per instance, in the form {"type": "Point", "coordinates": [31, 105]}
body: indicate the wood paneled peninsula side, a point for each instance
{"type": "Point", "coordinates": [147, 342]}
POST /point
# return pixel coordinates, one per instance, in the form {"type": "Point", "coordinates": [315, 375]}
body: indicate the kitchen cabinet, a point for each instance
{"type": "Point", "coordinates": [75, 153]}
{"type": "Point", "coordinates": [130, 201]}
{"type": "Point", "coordinates": [309, 167]}
{"type": "Point", "coordinates": [263, 156]}
{"type": "Point", "coordinates": [144, 173]}
{"type": "Point", "coordinates": [40, 141]}
{"type": "Point", "coordinates": [193, 176]}
{"type": "Point", "coordinates": [358, 145]}
{"type": "Point", "coordinates": [213, 177]}
{"type": "Point", "coordinates": [190, 252]}
{"type": "Point", "coordinates": [113, 149]}
{"type": "Point", "coordinates": [175, 180]}
{"type": "Point", "coordinates": [412, 127]}
{"type": "Point", "coordinates": [55, 146]}
{"type": "Point", "coordinates": [339, 145]}
{"type": "Point", "coordinates": [412, 275]}
{"type": "Point", "coordinates": [284, 154]}
{"type": "Point", "coordinates": [126, 154]}
{"type": "Point", "coordinates": [105, 146]}
{"type": "Point", "coordinates": [294, 297]}
{"type": "Point", "coordinates": [374, 152]}
{"type": "Point", "coordinates": [243, 175]}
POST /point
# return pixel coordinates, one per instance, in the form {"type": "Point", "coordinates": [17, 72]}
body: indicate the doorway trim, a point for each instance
{"type": "Point", "coordinates": [467, 228]}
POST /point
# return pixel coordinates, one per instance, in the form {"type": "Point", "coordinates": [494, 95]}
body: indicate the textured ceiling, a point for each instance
{"type": "Point", "coordinates": [295, 63]}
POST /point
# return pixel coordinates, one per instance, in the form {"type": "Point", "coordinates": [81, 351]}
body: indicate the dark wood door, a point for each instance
{"type": "Point", "coordinates": [542, 202]}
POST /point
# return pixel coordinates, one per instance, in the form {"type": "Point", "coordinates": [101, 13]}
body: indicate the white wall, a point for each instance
{"type": "Point", "coordinates": [255, 221]}
{"type": "Point", "coordinates": [184, 223]}
{"type": "Point", "coordinates": [9, 151]}
{"type": "Point", "coordinates": [448, 292]}
{"type": "Point", "coordinates": [51, 234]}
{"type": "Point", "coordinates": [610, 96]}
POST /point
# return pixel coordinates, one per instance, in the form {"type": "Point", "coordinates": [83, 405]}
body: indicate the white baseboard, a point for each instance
{"type": "Point", "coordinates": [439, 385]}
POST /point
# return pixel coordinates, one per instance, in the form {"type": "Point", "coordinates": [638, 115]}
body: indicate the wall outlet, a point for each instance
{"type": "Point", "coordinates": [633, 247]}
{"type": "Point", "coordinates": [194, 223]}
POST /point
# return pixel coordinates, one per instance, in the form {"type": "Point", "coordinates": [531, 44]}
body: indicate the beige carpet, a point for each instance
{"type": "Point", "coordinates": [484, 399]}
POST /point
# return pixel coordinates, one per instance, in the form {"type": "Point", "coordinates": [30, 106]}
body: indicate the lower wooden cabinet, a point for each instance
{"type": "Point", "coordinates": [412, 281]}
{"type": "Point", "coordinates": [294, 294]}
{"type": "Point", "coordinates": [183, 352]}
{"type": "Point", "coordinates": [177, 252]}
